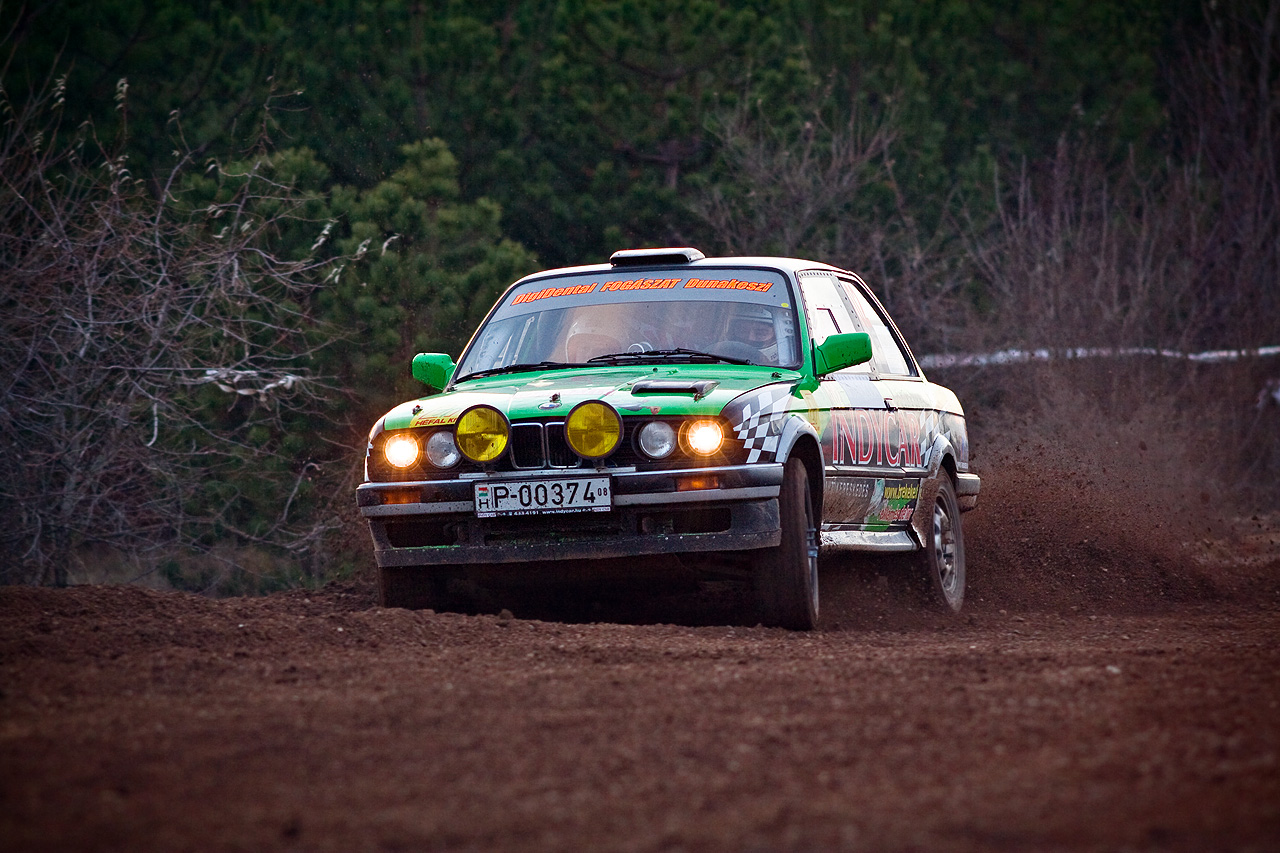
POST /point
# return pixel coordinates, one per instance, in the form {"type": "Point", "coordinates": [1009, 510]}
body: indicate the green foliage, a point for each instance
{"type": "Point", "coordinates": [586, 121]}
{"type": "Point", "coordinates": [424, 269]}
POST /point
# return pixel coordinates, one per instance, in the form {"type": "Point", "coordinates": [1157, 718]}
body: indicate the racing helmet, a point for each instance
{"type": "Point", "coordinates": [590, 335]}
{"type": "Point", "coordinates": [753, 326]}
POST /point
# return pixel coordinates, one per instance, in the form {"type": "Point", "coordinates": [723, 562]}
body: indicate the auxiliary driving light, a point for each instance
{"type": "Point", "coordinates": [593, 429]}
{"type": "Point", "coordinates": [401, 450]}
{"type": "Point", "coordinates": [657, 439]}
{"type": "Point", "coordinates": [481, 433]}
{"type": "Point", "coordinates": [442, 450]}
{"type": "Point", "coordinates": [704, 437]}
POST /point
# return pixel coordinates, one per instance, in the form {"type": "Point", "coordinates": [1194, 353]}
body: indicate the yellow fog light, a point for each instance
{"type": "Point", "coordinates": [401, 450]}
{"type": "Point", "coordinates": [593, 429]}
{"type": "Point", "coordinates": [481, 433]}
{"type": "Point", "coordinates": [704, 437]}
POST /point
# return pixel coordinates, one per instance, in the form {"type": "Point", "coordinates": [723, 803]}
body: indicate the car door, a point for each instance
{"type": "Point", "coordinates": [903, 433]}
{"type": "Point", "coordinates": [852, 407]}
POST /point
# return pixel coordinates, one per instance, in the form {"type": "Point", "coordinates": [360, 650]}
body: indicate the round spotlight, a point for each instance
{"type": "Point", "coordinates": [704, 437]}
{"type": "Point", "coordinates": [442, 450]}
{"type": "Point", "coordinates": [657, 440]}
{"type": "Point", "coordinates": [401, 450]}
{"type": "Point", "coordinates": [593, 429]}
{"type": "Point", "coordinates": [481, 433]}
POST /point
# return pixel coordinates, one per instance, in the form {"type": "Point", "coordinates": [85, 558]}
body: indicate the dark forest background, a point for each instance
{"type": "Point", "coordinates": [226, 227]}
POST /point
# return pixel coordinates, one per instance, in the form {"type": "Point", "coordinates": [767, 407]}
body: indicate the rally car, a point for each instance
{"type": "Point", "coordinates": [738, 414]}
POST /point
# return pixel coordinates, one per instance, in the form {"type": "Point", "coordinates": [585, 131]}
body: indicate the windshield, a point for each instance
{"type": "Point", "coordinates": [742, 316]}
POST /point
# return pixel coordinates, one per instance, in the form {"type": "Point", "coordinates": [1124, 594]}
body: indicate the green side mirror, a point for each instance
{"type": "Point", "coordinates": [433, 369]}
{"type": "Point", "coordinates": [840, 351]}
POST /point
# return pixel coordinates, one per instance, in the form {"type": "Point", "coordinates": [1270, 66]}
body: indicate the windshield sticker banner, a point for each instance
{"type": "Point", "coordinates": [548, 292]}
{"type": "Point", "coordinates": [640, 284]}
{"type": "Point", "coordinates": [730, 284]}
{"type": "Point", "coordinates": [760, 286]}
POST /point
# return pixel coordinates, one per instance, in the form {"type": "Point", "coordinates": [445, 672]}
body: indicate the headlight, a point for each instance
{"type": "Point", "coordinates": [481, 433]}
{"type": "Point", "coordinates": [442, 451]}
{"type": "Point", "coordinates": [657, 440]}
{"type": "Point", "coordinates": [704, 437]}
{"type": "Point", "coordinates": [593, 429]}
{"type": "Point", "coordinates": [401, 450]}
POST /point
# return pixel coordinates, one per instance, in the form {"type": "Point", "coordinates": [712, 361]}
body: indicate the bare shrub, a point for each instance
{"type": "Point", "coordinates": [827, 190]}
{"type": "Point", "coordinates": [148, 354]}
{"type": "Point", "coordinates": [783, 187]}
{"type": "Point", "coordinates": [1183, 257]}
{"type": "Point", "coordinates": [1225, 96]}
{"type": "Point", "coordinates": [1084, 256]}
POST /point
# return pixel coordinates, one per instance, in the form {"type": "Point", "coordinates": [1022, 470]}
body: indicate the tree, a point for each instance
{"type": "Point", "coordinates": [148, 349]}
{"type": "Point", "coordinates": [424, 268]}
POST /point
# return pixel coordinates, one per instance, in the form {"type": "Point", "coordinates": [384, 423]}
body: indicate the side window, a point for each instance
{"type": "Point", "coordinates": [828, 312]}
{"type": "Point", "coordinates": [824, 324]}
{"type": "Point", "coordinates": [887, 355]}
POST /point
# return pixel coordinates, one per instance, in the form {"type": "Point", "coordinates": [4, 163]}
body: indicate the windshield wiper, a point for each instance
{"type": "Point", "coordinates": [514, 368]}
{"type": "Point", "coordinates": [664, 354]}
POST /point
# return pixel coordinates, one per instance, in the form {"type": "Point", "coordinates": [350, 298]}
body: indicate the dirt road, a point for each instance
{"type": "Point", "coordinates": [1097, 693]}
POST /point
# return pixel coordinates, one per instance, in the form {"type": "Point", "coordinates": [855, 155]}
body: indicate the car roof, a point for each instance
{"type": "Point", "coordinates": [790, 265]}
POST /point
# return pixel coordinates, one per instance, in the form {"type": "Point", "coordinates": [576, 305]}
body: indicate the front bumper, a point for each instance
{"type": "Point", "coordinates": [967, 488]}
{"type": "Point", "coordinates": [434, 522]}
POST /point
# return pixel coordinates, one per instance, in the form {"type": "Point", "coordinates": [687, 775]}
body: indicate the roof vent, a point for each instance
{"type": "Point", "coordinates": [654, 257]}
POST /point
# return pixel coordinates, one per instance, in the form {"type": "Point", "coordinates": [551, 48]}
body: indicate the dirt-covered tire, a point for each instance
{"type": "Point", "coordinates": [941, 561]}
{"type": "Point", "coordinates": [413, 588]}
{"type": "Point", "coordinates": [786, 577]}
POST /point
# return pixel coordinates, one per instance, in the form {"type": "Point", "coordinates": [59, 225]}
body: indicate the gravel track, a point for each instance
{"type": "Point", "coordinates": [1108, 687]}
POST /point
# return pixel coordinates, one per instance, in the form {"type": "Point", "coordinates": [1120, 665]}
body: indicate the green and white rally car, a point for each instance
{"type": "Point", "coordinates": [737, 414]}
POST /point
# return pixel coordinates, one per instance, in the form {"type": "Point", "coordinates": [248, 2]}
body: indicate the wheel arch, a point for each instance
{"type": "Point", "coordinates": [799, 439]}
{"type": "Point", "coordinates": [942, 463]}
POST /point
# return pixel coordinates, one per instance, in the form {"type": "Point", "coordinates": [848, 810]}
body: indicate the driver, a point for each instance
{"type": "Point", "coordinates": [591, 335]}
{"type": "Point", "coordinates": [753, 326]}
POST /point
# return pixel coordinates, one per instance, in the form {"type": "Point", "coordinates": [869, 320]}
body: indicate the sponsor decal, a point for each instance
{"type": "Point", "coordinates": [433, 420]}
{"type": "Point", "coordinates": [640, 284]}
{"type": "Point", "coordinates": [729, 284]}
{"type": "Point", "coordinates": [892, 501]}
{"type": "Point", "coordinates": [873, 503]}
{"type": "Point", "coordinates": [879, 437]}
{"type": "Point", "coordinates": [549, 292]}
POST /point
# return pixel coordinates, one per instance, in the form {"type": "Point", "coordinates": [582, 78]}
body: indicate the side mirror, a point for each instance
{"type": "Point", "coordinates": [433, 369]}
{"type": "Point", "coordinates": [840, 351]}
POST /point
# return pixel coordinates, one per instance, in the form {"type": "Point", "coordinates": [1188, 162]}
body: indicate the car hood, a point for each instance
{"type": "Point", "coordinates": [676, 390]}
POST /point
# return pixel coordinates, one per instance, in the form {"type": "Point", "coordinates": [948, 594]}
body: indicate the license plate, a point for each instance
{"type": "Point", "coordinates": [542, 497]}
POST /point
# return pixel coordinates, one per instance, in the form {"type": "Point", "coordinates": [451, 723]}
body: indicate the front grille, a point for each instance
{"type": "Point", "coordinates": [541, 445]}
{"type": "Point", "coordinates": [526, 446]}
{"type": "Point", "coordinates": [558, 453]}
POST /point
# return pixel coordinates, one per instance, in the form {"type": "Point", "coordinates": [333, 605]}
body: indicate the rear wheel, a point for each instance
{"type": "Point", "coordinates": [786, 577]}
{"type": "Point", "coordinates": [942, 558]}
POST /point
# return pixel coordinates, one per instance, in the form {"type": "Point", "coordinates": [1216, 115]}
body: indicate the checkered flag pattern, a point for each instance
{"type": "Point", "coordinates": [758, 416]}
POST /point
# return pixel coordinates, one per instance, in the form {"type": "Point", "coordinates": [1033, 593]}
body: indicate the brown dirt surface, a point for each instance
{"type": "Point", "coordinates": [1111, 685]}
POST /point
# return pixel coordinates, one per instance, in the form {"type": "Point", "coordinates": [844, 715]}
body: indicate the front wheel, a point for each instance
{"type": "Point", "coordinates": [786, 577]}
{"type": "Point", "coordinates": [942, 558]}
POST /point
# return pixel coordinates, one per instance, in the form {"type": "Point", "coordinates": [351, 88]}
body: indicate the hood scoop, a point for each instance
{"type": "Point", "coordinates": [698, 388]}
